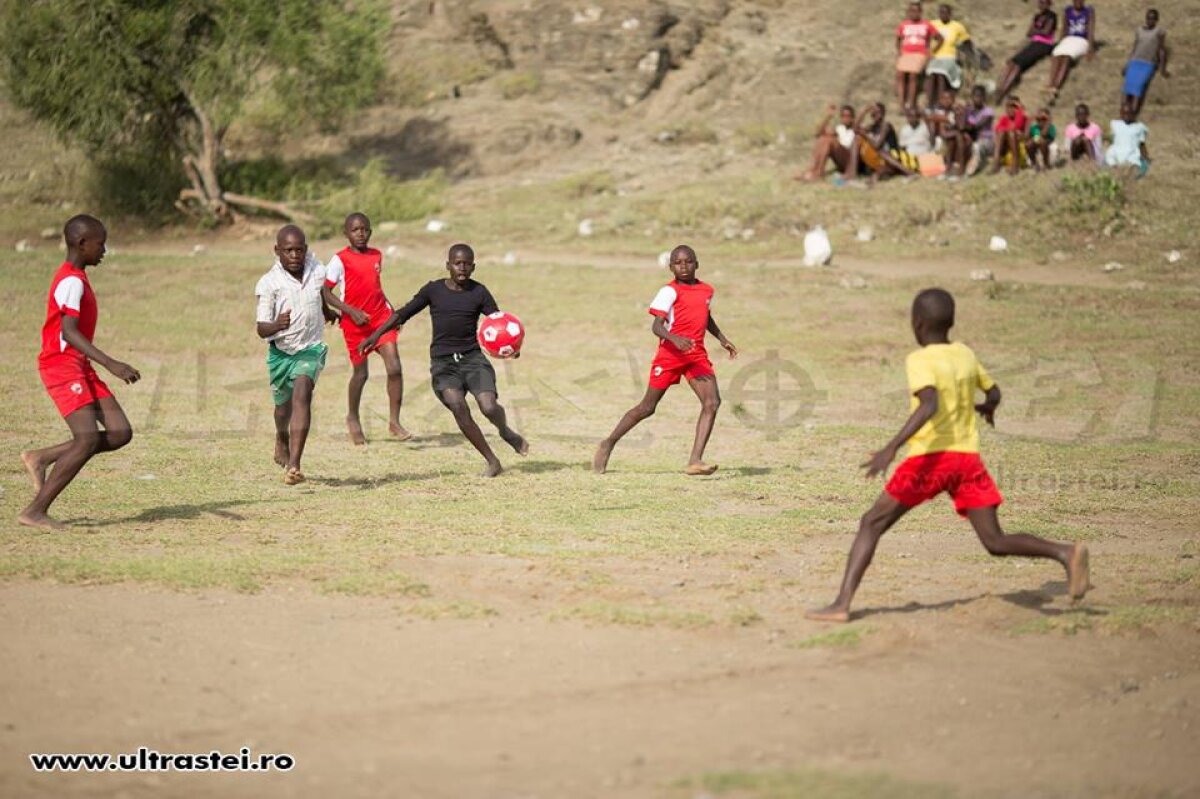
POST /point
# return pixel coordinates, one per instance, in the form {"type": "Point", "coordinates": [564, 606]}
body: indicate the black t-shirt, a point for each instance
{"type": "Point", "coordinates": [455, 314]}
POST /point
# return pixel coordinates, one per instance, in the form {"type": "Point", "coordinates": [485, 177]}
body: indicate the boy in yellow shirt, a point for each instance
{"type": "Point", "coordinates": [943, 455]}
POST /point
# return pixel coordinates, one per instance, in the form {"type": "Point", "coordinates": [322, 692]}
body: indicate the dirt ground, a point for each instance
{"type": "Point", "coordinates": [372, 702]}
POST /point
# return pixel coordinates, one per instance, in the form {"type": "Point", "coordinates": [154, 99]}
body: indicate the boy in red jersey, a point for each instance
{"type": "Point", "coordinates": [92, 413]}
{"type": "Point", "coordinates": [943, 455]}
{"type": "Point", "coordinates": [364, 307]}
{"type": "Point", "coordinates": [681, 318]}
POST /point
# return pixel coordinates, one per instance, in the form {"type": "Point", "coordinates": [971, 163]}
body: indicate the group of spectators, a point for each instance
{"type": "Point", "coordinates": [952, 138]}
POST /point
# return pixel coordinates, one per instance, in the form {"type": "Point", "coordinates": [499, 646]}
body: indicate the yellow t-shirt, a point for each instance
{"type": "Point", "coordinates": [956, 373]}
{"type": "Point", "coordinates": [953, 34]}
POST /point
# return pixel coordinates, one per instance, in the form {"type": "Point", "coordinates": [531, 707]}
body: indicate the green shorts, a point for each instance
{"type": "Point", "coordinates": [283, 369]}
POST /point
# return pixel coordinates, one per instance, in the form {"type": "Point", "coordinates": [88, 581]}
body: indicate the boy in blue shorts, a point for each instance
{"type": "Point", "coordinates": [943, 455]}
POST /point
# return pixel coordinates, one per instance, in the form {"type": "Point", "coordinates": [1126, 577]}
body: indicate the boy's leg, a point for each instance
{"type": "Point", "coordinates": [1073, 557]}
{"type": "Point", "coordinates": [900, 88]}
{"type": "Point", "coordinates": [495, 414]}
{"type": "Point", "coordinates": [710, 401]}
{"type": "Point", "coordinates": [643, 410]}
{"type": "Point", "coordinates": [300, 421]}
{"type": "Point", "coordinates": [358, 379]}
{"type": "Point", "coordinates": [820, 154]}
{"type": "Point", "coordinates": [117, 433]}
{"type": "Point", "coordinates": [87, 440]}
{"type": "Point", "coordinates": [395, 389]}
{"type": "Point", "coordinates": [283, 419]}
{"type": "Point", "coordinates": [886, 511]}
{"type": "Point", "coordinates": [455, 399]}
{"type": "Point", "coordinates": [851, 170]}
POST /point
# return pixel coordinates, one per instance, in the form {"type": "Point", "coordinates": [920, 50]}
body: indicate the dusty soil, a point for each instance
{"type": "Point", "coordinates": [371, 701]}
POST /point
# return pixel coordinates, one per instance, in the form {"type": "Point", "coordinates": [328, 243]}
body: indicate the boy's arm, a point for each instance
{"type": "Point", "coordinates": [726, 343]}
{"type": "Point", "coordinates": [924, 412]}
{"type": "Point", "coordinates": [331, 301]}
{"type": "Point", "coordinates": [823, 128]}
{"type": "Point", "coordinates": [71, 334]}
{"type": "Point", "coordinates": [1163, 53]}
{"type": "Point", "coordinates": [396, 321]}
{"type": "Point", "coordinates": [987, 408]}
{"type": "Point", "coordinates": [659, 328]}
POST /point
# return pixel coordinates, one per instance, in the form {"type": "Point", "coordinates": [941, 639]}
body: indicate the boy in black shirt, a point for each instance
{"type": "Point", "coordinates": [456, 363]}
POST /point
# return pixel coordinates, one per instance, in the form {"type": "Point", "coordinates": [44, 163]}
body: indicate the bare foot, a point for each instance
{"type": "Point", "coordinates": [293, 476]}
{"type": "Point", "coordinates": [40, 520]}
{"type": "Point", "coordinates": [492, 469]}
{"type": "Point", "coordinates": [700, 469]}
{"type": "Point", "coordinates": [832, 613]}
{"type": "Point", "coordinates": [282, 452]}
{"type": "Point", "coordinates": [1077, 572]}
{"type": "Point", "coordinates": [398, 432]}
{"type": "Point", "coordinates": [600, 459]}
{"type": "Point", "coordinates": [517, 442]}
{"type": "Point", "coordinates": [36, 469]}
{"type": "Point", "coordinates": [354, 427]}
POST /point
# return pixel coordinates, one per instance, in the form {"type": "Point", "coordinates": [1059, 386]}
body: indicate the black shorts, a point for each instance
{"type": "Point", "coordinates": [1032, 53]}
{"type": "Point", "coordinates": [468, 371]}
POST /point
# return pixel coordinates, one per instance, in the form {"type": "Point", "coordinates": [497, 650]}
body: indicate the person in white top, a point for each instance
{"type": "Point", "coordinates": [835, 145]}
{"type": "Point", "coordinates": [291, 315]}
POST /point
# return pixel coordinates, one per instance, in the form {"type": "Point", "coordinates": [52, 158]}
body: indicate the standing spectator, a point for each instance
{"type": "Point", "coordinates": [943, 71]}
{"type": "Point", "coordinates": [1128, 148]}
{"type": "Point", "coordinates": [977, 124]}
{"type": "Point", "coordinates": [914, 37]}
{"type": "Point", "coordinates": [1078, 41]}
{"type": "Point", "coordinates": [1084, 137]}
{"type": "Point", "coordinates": [1040, 45]}
{"type": "Point", "coordinates": [1148, 56]}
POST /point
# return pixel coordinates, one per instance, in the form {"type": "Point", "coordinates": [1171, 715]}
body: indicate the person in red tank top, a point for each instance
{"type": "Point", "coordinates": [682, 316]}
{"type": "Point", "coordinates": [364, 307]}
{"type": "Point", "coordinates": [95, 418]}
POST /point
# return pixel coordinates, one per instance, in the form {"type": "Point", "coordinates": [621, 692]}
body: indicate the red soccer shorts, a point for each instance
{"type": "Point", "coordinates": [355, 335]}
{"type": "Point", "coordinates": [669, 367]}
{"type": "Point", "coordinates": [73, 387]}
{"type": "Point", "coordinates": [960, 474]}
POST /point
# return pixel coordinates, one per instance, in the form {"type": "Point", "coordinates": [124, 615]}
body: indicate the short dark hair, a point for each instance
{"type": "Point", "coordinates": [460, 247]}
{"type": "Point", "coordinates": [79, 226]}
{"type": "Point", "coordinates": [936, 307]}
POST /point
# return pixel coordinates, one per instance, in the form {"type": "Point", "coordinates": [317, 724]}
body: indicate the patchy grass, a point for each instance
{"type": "Point", "coordinates": [841, 638]}
{"type": "Point", "coordinates": [809, 784]}
{"type": "Point", "coordinates": [631, 616]}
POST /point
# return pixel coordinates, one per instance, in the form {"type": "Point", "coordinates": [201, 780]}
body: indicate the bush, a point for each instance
{"type": "Point", "coordinates": [137, 184]}
{"type": "Point", "coordinates": [383, 198]}
{"type": "Point", "coordinates": [1091, 193]}
{"type": "Point", "coordinates": [518, 84]}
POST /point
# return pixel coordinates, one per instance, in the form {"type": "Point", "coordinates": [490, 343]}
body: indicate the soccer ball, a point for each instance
{"type": "Point", "coordinates": [501, 335]}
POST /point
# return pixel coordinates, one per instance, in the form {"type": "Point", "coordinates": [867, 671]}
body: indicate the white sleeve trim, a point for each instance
{"type": "Point", "coordinates": [69, 293]}
{"type": "Point", "coordinates": [664, 300]}
{"type": "Point", "coordinates": [335, 270]}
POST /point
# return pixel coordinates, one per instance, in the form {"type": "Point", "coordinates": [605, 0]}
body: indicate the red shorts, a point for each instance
{"type": "Point", "coordinates": [960, 474]}
{"type": "Point", "coordinates": [73, 387]}
{"type": "Point", "coordinates": [355, 335]}
{"type": "Point", "coordinates": [669, 367]}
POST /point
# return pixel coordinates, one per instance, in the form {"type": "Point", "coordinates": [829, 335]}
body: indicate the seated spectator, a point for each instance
{"type": "Point", "coordinates": [1011, 133]}
{"type": "Point", "coordinates": [1084, 137]}
{"type": "Point", "coordinates": [832, 145]}
{"type": "Point", "coordinates": [977, 124]}
{"type": "Point", "coordinates": [1042, 134]}
{"type": "Point", "coordinates": [875, 145]}
{"type": "Point", "coordinates": [915, 140]}
{"type": "Point", "coordinates": [1148, 56]}
{"type": "Point", "coordinates": [914, 36]}
{"type": "Point", "coordinates": [937, 114]}
{"type": "Point", "coordinates": [1078, 41]}
{"type": "Point", "coordinates": [1040, 45]}
{"type": "Point", "coordinates": [1128, 148]}
{"type": "Point", "coordinates": [943, 72]}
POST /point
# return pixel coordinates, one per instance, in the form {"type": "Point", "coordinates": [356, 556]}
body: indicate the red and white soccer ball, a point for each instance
{"type": "Point", "coordinates": [501, 335]}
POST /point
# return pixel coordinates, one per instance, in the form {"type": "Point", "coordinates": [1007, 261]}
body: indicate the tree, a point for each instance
{"type": "Point", "coordinates": [129, 76]}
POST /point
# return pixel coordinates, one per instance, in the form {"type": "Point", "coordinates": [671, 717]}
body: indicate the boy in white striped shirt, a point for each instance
{"type": "Point", "coordinates": [291, 315]}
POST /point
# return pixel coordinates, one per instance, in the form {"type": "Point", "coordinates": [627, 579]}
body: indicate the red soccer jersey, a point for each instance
{"type": "Point", "coordinates": [70, 295]}
{"type": "Point", "coordinates": [360, 273]}
{"type": "Point", "coordinates": [685, 307]}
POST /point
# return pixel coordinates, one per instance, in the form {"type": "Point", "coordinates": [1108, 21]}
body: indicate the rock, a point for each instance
{"type": "Point", "coordinates": [631, 24]}
{"type": "Point", "coordinates": [1174, 257]}
{"type": "Point", "coordinates": [1136, 285]}
{"type": "Point", "coordinates": [855, 282]}
{"type": "Point", "coordinates": [1058, 255]}
{"type": "Point", "coordinates": [664, 258]}
{"type": "Point", "coordinates": [589, 14]}
{"type": "Point", "coordinates": [998, 244]}
{"type": "Point", "coordinates": [23, 246]}
{"type": "Point", "coordinates": [53, 233]}
{"type": "Point", "coordinates": [982, 274]}
{"type": "Point", "coordinates": [649, 62]}
{"type": "Point", "coordinates": [387, 227]}
{"type": "Point", "coordinates": [586, 227]}
{"type": "Point", "coordinates": [391, 251]}
{"type": "Point", "coordinates": [1112, 266]}
{"type": "Point", "coordinates": [865, 234]}
{"type": "Point", "coordinates": [197, 249]}
{"type": "Point", "coordinates": [435, 226]}
{"type": "Point", "coordinates": [747, 233]}
{"type": "Point", "coordinates": [509, 259]}
{"type": "Point", "coordinates": [817, 249]}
